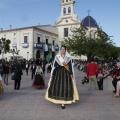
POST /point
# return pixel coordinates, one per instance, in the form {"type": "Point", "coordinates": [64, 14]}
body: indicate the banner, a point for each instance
{"type": "Point", "coordinates": [45, 47]}
{"type": "Point", "coordinates": [53, 48]}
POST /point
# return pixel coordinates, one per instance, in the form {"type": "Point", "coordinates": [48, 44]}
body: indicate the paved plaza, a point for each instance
{"type": "Point", "coordinates": [29, 103]}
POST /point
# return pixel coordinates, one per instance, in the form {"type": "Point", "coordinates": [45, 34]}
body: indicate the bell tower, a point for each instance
{"type": "Point", "coordinates": [67, 7]}
{"type": "Point", "coordinates": [67, 19]}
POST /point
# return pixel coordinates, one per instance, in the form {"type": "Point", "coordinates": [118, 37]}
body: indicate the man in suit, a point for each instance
{"type": "Point", "coordinates": [17, 74]}
{"type": "Point", "coordinates": [27, 67]}
{"type": "Point", "coordinates": [33, 69]}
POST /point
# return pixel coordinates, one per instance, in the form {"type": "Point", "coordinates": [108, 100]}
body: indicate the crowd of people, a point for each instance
{"type": "Point", "coordinates": [62, 86]}
{"type": "Point", "coordinates": [35, 66]}
{"type": "Point", "coordinates": [97, 71]}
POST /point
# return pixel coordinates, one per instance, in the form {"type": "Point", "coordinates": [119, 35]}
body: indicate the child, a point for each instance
{"type": "Point", "coordinates": [100, 79]}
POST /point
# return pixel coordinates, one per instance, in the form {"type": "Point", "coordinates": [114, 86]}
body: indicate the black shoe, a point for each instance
{"type": "Point", "coordinates": [63, 107]}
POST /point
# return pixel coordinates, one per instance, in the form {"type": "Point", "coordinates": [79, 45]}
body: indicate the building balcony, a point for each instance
{"type": "Point", "coordinates": [56, 47]}
{"type": "Point", "coordinates": [14, 45]}
{"type": "Point", "coordinates": [38, 45]}
{"type": "Point", "coordinates": [45, 47]}
{"type": "Point", "coordinates": [25, 45]}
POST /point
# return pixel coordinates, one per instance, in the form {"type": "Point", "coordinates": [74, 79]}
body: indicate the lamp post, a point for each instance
{"type": "Point", "coordinates": [27, 55]}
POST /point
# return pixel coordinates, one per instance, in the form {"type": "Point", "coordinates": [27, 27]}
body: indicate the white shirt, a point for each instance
{"type": "Point", "coordinates": [26, 65]}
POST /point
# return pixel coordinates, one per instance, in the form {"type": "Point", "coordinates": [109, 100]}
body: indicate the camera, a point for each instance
{"type": "Point", "coordinates": [85, 80]}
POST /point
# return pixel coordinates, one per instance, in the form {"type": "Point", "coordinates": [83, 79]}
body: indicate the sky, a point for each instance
{"type": "Point", "coordinates": [23, 13]}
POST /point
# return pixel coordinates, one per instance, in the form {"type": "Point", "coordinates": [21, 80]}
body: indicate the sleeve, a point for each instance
{"type": "Point", "coordinates": [41, 71]}
{"type": "Point", "coordinates": [21, 72]}
{"type": "Point", "coordinates": [70, 67]}
{"type": "Point", "coordinates": [35, 71]}
{"type": "Point", "coordinates": [54, 66]}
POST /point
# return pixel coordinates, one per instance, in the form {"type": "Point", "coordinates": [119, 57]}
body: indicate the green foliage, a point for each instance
{"type": "Point", "coordinates": [14, 51]}
{"type": "Point", "coordinates": [4, 45]}
{"type": "Point", "coordinates": [81, 43]}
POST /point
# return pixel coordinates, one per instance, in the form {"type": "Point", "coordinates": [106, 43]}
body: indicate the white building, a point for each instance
{"type": "Point", "coordinates": [67, 20]}
{"type": "Point", "coordinates": [33, 42]}
{"type": "Point", "coordinates": [41, 41]}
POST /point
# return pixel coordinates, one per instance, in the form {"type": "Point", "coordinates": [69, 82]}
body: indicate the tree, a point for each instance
{"type": "Point", "coordinates": [76, 42]}
{"type": "Point", "coordinates": [14, 51]}
{"type": "Point", "coordinates": [4, 46]}
{"type": "Point", "coordinates": [81, 43]}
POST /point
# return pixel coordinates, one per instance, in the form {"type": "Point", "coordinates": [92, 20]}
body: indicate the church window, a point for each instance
{"type": "Point", "coordinates": [38, 40]}
{"type": "Point", "coordinates": [53, 42]}
{"type": "Point", "coordinates": [65, 32]}
{"type": "Point", "coordinates": [64, 10]}
{"type": "Point", "coordinates": [25, 39]}
{"type": "Point", "coordinates": [69, 10]}
{"type": "Point", "coordinates": [46, 41]}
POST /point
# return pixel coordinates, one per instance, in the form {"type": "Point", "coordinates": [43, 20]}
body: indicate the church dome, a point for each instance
{"type": "Point", "coordinates": [89, 22]}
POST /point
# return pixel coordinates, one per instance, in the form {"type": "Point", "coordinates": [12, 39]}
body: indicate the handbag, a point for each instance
{"type": "Point", "coordinates": [13, 77]}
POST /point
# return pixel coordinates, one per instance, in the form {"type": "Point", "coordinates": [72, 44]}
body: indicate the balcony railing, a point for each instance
{"type": "Point", "coordinates": [25, 45]}
{"type": "Point", "coordinates": [45, 47]}
{"type": "Point", "coordinates": [56, 47]}
{"type": "Point", "coordinates": [14, 45]}
{"type": "Point", "coordinates": [38, 45]}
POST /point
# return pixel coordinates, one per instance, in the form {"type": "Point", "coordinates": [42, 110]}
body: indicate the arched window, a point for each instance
{"type": "Point", "coordinates": [66, 0]}
{"type": "Point", "coordinates": [69, 10]}
{"type": "Point", "coordinates": [64, 11]}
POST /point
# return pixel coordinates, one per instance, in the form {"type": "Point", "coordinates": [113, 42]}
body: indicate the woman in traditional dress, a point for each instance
{"type": "Point", "coordinates": [1, 86]}
{"type": "Point", "coordinates": [38, 80]}
{"type": "Point", "coordinates": [61, 87]}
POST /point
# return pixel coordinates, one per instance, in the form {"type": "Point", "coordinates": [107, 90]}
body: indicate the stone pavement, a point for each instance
{"type": "Point", "coordinates": [29, 104]}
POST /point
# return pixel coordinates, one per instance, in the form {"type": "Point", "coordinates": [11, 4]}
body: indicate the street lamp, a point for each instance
{"type": "Point", "coordinates": [27, 55]}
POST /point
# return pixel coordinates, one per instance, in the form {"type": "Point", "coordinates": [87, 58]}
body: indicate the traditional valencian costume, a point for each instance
{"type": "Point", "coordinates": [38, 81]}
{"type": "Point", "coordinates": [1, 86]}
{"type": "Point", "coordinates": [62, 87]}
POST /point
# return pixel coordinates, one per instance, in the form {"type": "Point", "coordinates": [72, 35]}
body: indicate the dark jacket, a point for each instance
{"type": "Point", "coordinates": [18, 73]}
{"type": "Point", "coordinates": [33, 69]}
{"type": "Point", "coordinates": [6, 69]}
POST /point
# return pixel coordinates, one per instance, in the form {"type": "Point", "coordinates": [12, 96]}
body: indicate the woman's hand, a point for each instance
{"type": "Point", "coordinates": [71, 76]}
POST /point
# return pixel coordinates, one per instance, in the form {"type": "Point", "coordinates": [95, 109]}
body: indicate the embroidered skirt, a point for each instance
{"type": "Point", "coordinates": [38, 82]}
{"type": "Point", "coordinates": [61, 87]}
